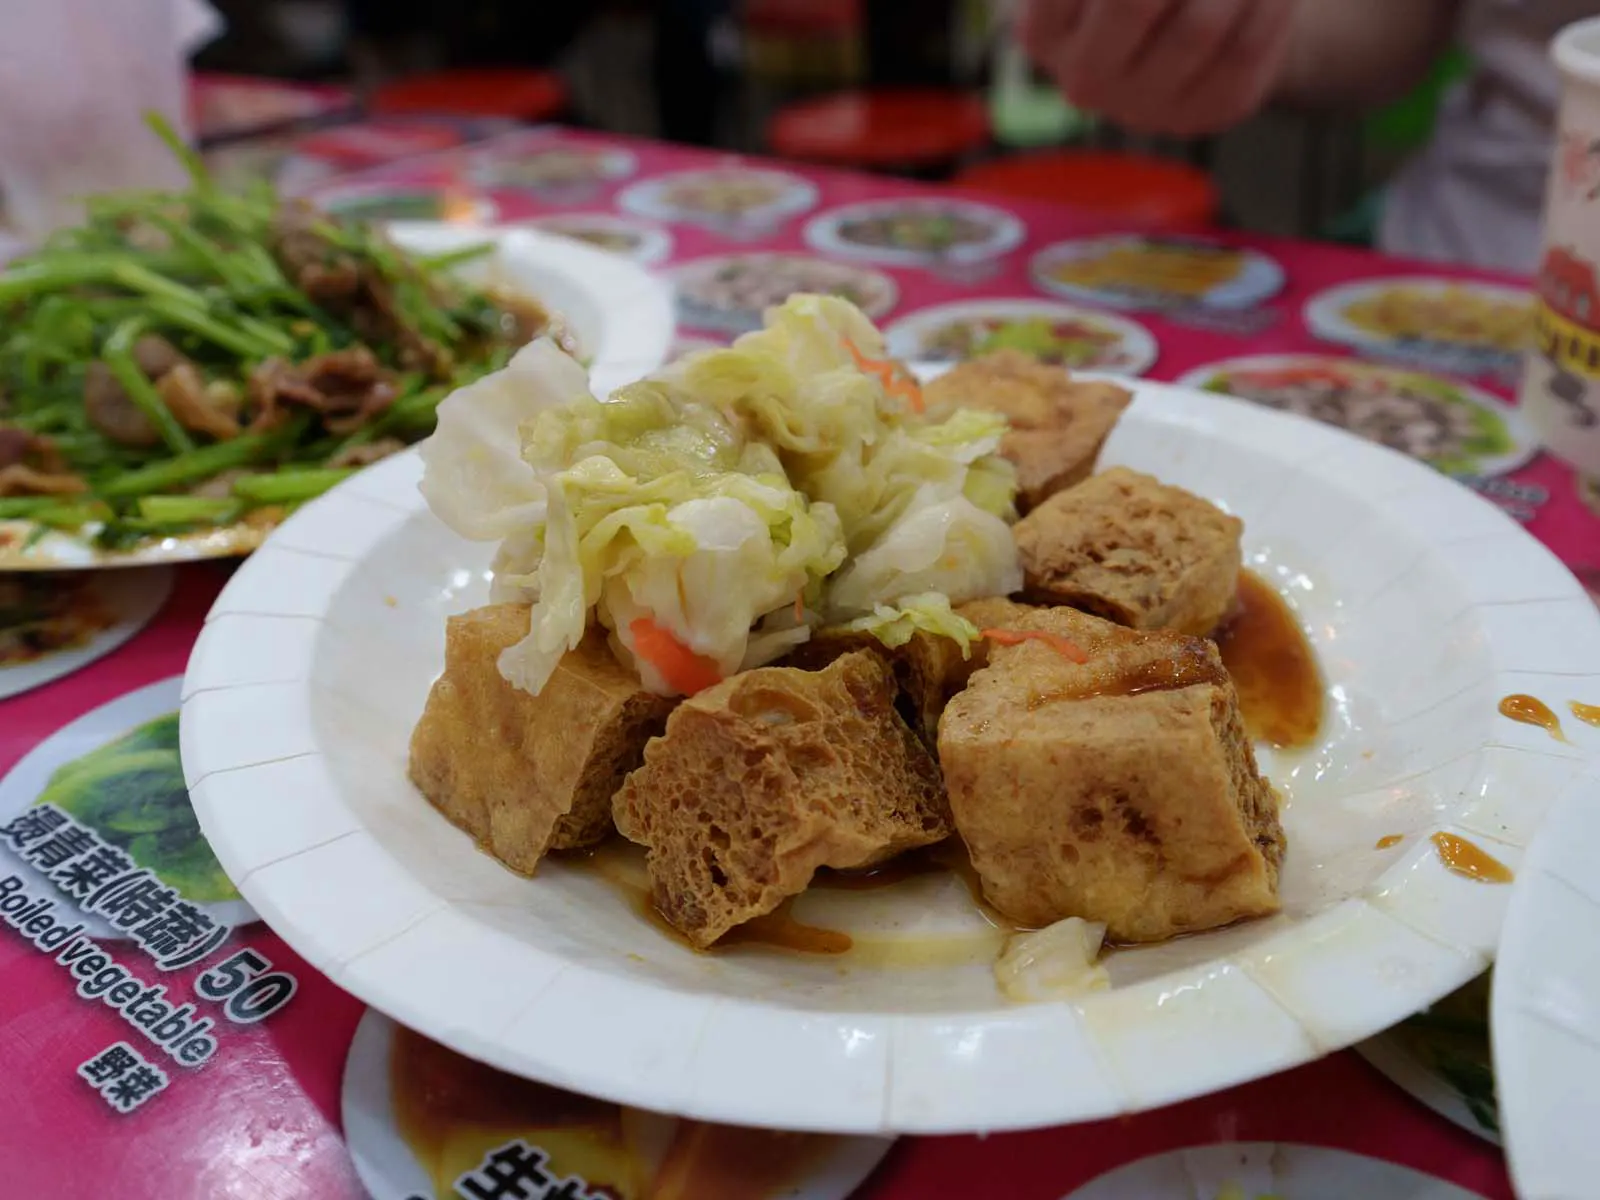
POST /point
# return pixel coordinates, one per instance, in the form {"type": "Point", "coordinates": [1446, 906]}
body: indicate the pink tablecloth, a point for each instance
{"type": "Point", "coordinates": [263, 1116]}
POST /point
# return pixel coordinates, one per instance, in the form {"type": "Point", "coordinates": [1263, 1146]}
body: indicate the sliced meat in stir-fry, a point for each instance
{"type": "Point", "coordinates": [346, 388]}
{"type": "Point", "coordinates": [196, 406]}
{"type": "Point", "coordinates": [31, 465]}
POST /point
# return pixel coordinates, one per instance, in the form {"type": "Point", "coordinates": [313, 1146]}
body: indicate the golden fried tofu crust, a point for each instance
{"type": "Point", "coordinates": [527, 774]}
{"type": "Point", "coordinates": [766, 777]}
{"type": "Point", "coordinates": [928, 669]}
{"type": "Point", "coordinates": [1058, 423]}
{"type": "Point", "coordinates": [1121, 790]}
{"type": "Point", "coordinates": [1129, 548]}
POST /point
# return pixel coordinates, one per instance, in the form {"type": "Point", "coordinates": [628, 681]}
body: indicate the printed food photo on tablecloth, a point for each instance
{"type": "Point", "coordinates": [1453, 426]}
{"type": "Point", "coordinates": [729, 293]}
{"type": "Point", "coordinates": [1166, 274]}
{"type": "Point", "coordinates": [1266, 1171]}
{"type": "Point", "coordinates": [1441, 1056]}
{"type": "Point", "coordinates": [641, 241]}
{"type": "Point", "coordinates": [425, 1123]}
{"type": "Point", "coordinates": [108, 793]}
{"type": "Point", "coordinates": [1458, 326]}
{"type": "Point", "coordinates": [551, 167]}
{"type": "Point", "coordinates": [916, 232]}
{"type": "Point", "coordinates": [406, 202]}
{"type": "Point", "coordinates": [52, 624]}
{"type": "Point", "coordinates": [736, 200]}
{"type": "Point", "coordinates": [1055, 333]}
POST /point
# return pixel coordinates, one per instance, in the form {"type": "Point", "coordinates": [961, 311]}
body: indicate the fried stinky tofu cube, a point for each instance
{"type": "Point", "coordinates": [526, 774]}
{"type": "Point", "coordinates": [1122, 789]}
{"type": "Point", "coordinates": [1058, 423]}
{"type": "Point", "coordinates": [759, 781]}
{"type": "Point", "coordinates": [1127, 547]}
{"type": "Point", "coordinates": [929, 669]}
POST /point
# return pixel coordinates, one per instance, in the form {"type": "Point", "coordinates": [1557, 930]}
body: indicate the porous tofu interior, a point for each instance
{"type": "Point", "coordinates": [527, 774]}
{"type": "Point", "coordinates": [768, 776]}
{"type": "Point", "coordinates": [1058, 423]}
{"type": "Point", "coordinates": [1121, 790]}
{"type": "Point", "coordinates": [1129, 548]}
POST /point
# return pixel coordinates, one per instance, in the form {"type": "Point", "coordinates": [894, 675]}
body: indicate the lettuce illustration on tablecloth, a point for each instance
{"type": "Point", "coordinates": [131, 792]}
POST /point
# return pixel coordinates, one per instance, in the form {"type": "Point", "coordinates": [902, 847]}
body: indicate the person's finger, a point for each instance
{"type": "Point", "coordinates": [1186, 48]}
{"type": "Point", "coordinates": [1108, 38]}
{"type": "Point", "coordinates": [1245, 68]}
{"type": "Point", "coordinates": [1044, 29]}
{"type": "Point", "coordinates": [1220, 77]}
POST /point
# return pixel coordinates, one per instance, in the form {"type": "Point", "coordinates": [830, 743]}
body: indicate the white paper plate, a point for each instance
{"type": "Point", "coordinates": [388, 1165]}
{"type": "Point", "coordinates": [129, 599]}
{"type": "Point", "coordinates": [1426, 606]}
{"type": "Point", "coordinates": [1133, 353]}
{"type": "Point", "coordinates": [621, 316]}
{"type": "Point", "coordinates": [1546, 1011]}
{"type": "Point", "coordinates": [825, 232]}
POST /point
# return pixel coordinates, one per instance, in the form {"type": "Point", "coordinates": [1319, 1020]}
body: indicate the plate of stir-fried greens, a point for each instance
{"type": "Point", "coordinates": [182, 370]}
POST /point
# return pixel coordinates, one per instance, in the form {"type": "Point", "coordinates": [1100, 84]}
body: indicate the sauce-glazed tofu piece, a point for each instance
{"type": "Point", "coordinates": [527, 774]}
{"type": "Point", "coordinates": [1129, 548]}
{"type": "Point", "coordinates": [928, 669]}
{"type": "Point", "coordinates": [1122, 789]}
{"type": "Point", "coordinates": [1058, 423]}
{"type": "Point", "coordinates": [759, 781]}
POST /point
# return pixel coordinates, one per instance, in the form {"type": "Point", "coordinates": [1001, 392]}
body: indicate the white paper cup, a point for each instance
{"type": "Point", "coordinates": [1561, 384]}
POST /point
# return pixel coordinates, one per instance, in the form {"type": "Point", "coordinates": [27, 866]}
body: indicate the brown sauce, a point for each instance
{"type": "Point", "coordinates": [1589, 714]}
{"type": "Point", "coordinates": [1273, 667]}
{"type": "Point", "coordinates": [1530, 710]}
{"type": "Point", "coordinates": [1191, 668]}
{"type": "Point", "coordinates": [780, 929]}
{"type": "Point", "coordinates": [622, 866]}
{"type": "Point", "coordinates": [948, 858]}
{"type": "Point", "coordinates": [1472, 862]}
{"type": "Point", "coordinates": [1392, 839]}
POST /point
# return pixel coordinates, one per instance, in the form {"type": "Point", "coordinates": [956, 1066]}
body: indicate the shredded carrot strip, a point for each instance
{"type": "Point", "coordinates": [799, 607]}
{"type": "Point", "coordinates": [1062, 645]}
{"type": "Point", "coordinates": [682, 669]}
{"type": "Point", "coordinates": [894, 383]}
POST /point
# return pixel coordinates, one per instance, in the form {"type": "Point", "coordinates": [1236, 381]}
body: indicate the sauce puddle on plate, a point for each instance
{"type": "Point", "coordinates": [1273, 667]}
{"type": "Point", "coordinates": [1530, 710]}
{"type": "Point", "coordinates": [1469, 861]}
{"type": "Point", "coordinates": [1389, 839]}
{"type": "Point", "coordinates": [1589, 714]}
{"type": "Point", "coordinates": [621, 866]}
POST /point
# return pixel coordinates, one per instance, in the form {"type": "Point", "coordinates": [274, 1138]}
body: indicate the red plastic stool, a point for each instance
{"type": "Point", "coordinates": [899, 127]}
{"type": "Point", "coordinates": [520, 95]}
{"type": "Point", "coordinates": [1153, 192]}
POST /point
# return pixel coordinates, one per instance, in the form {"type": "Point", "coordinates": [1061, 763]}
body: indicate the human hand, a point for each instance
{"type": "Point", "coordinates": [1182, 67]}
